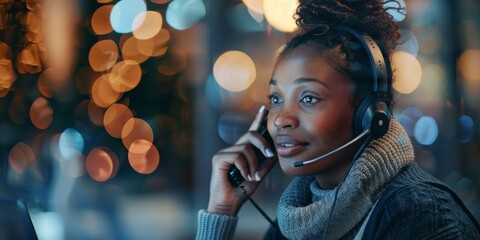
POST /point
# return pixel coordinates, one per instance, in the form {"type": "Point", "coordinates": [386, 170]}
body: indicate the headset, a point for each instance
{"type": "Point", "coordinates": [372, 116]}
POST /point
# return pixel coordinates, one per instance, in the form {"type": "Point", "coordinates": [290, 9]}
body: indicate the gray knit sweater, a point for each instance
{"type": "Point", "coordinates": [304, 208]}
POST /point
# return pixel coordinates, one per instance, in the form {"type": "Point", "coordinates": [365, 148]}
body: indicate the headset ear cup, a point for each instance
{"type": "Point", "coordinates": [371, 114]}
{"type": "Point", "coordinates": [380, 120]}
{"type": "Point", "coordinates": [363, 115]}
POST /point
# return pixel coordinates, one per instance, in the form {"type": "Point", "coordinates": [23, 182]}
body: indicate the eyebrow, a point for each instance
{"type": "Point", "coordinates": [302, 80]}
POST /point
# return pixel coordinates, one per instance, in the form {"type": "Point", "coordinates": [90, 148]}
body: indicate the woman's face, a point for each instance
{"type": "Point", "coordinates": [311, 112]}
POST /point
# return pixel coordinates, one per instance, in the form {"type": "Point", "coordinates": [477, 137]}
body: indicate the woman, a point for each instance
{"type": "Point", "coordinates": [371, 188]}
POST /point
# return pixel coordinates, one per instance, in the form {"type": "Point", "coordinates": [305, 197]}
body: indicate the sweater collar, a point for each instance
{"type": "Point", "coordinates": [304, 208]}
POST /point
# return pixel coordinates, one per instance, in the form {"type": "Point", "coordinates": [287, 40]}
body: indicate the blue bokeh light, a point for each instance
{"type": "Point", "coordinates": [182, 14]}
{"type": "Point", "coordinates": [70, 143]}
{"type": "Point", "coordinates": [408, 117]}
{"type": "Point", "coordinates": [232, 126]}
{"type": "Point", "coordinates": [465, 128]}
{"type": "Point", "coordinates": [426, 130]}
{"type": "Point", "coordinates": [123, 14]}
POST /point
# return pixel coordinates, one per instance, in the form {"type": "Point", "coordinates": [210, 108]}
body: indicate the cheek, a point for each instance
{"type": "Point", "coordinates": [333, 127]}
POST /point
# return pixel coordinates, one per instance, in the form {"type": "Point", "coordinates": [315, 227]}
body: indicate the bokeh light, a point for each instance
{"type": "Point", "coordinates": [101, 164]}
{"type": "Point", "coordinates": [255, 5]}
{"type": "Point", "coordinates": [397, 15]}
{"type": "Point", "coordinates": [468, 65]}
{"type": "Point", "coordinates": [41, 113]}
{"type": "Point", "coordinates": [20, 157]}
{"type": "Point", "coordinates": [408, 72]}
{"type": "Point", "coordinates": [125, 76]}
{"type": "Point", "coordinates": [465, 128]}
{"type": "Point", "coordinates": [101, 20]}
{"type": "Point", "coordinates": [28, 60]}
{"type": "Point", "coordinates": [408, 118]}
{"type": "Point", "coordinates": [136, 50]}
{"type": "Point", "coordinates": [124, 13]}
{"type": "Point", "coordinates": [7, 74]}
{"type": "Point", "coordinates": [60, 22]}
{"type": "Point", "coordinates": [230, 126]}
{"type": "Point", "coordinates": [103, 55]}
{"type": "Point", "coordinates": [115, 118]}
{"type": "Point", "coordinates": [426, 130]}
{"type": "Point", "coordinates": [136, 129]}
{"type": "Point", "coordinates": [408, 42]}
{"type": "Point", "coordinates": [70, 143]}
{"type": "Point", "coordinates": [183, 14]}
{"type": "Point", "coordinates": [255, 9]}
{"type": "Point", "coordinates": [102, 92]}
{"type": "Point", "coordinates": [234, 71]}
{"type": "Point", "coordinates": [143, 156]}
{"type": "Point", "coordinates": [279, 13]}
{"type": "Point", "coordinates": [149, 22]}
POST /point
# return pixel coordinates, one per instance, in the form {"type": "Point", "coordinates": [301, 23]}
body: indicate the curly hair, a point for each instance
{"type": "Point", "coordinates": [318, 19]}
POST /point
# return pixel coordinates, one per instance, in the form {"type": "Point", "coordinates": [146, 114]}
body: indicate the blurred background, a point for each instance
{"type": "Point", "coordinates": [110, 111]}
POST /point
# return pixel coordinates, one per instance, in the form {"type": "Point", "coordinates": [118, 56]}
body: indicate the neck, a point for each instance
{"type": "Point", "coordinates": [331, 177]}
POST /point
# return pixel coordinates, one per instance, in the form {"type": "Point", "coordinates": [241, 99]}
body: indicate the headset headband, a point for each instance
{"type": "Point", "coordinates": [377, 63]}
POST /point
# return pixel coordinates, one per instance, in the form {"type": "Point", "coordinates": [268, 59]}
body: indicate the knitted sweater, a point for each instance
{"type": "Point", "coordinates": [304, 208]}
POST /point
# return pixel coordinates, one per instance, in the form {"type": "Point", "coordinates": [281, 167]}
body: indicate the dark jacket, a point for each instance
{"type": "Point", "coordinates": [416, 205]}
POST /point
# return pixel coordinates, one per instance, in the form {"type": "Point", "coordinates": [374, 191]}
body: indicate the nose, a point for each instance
{"type": "Point", "coordinates": [285, 119]}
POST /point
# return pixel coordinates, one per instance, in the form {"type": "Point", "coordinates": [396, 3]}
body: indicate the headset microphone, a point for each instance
{"type": "Point", "coordinates": [356, 139]}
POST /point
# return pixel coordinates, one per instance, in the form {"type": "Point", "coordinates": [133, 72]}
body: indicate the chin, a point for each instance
{"type": "Point", "coordinates": [288, 168]}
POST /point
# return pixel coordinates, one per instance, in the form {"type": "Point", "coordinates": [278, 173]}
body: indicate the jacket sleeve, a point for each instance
{"type": "Point", "coordinates": [215, 227]}
{"type": "Point", "coordinates": [420, 211]}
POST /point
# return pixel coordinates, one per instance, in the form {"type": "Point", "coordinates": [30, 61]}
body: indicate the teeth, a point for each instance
{"type": "Point", "coordinates": [287, 145]}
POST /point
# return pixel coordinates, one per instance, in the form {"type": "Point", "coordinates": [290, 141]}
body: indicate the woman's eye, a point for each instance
{"type": "Point", "coordinates": [309, 99]}
{"type": "Point", "coordinates": [275, 100]}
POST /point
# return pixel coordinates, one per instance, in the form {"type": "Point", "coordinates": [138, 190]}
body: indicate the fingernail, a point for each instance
{"type": "Point", "coordinates": [249, 178]}
{"type": "Point", "coordinates": [261, 108]}
{"type": "Point", "coordinates": [257, 176]}
{"type": "Point", "coordinates": [269, 152]}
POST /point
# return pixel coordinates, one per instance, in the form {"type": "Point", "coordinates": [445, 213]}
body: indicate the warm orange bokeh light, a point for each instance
{"type": "Point", "coordinates": [136, 129]}
{"type": "Point", "coordinates": [101, 164]}
{"type": "Point", "coordinates": [136, 50]}
{"type": "Point", "coordinates": [115, 118]}
{"type": "Point", "coordinates": [125, 76]}
{"type": "Point", "coordinates": [143, 156]}
{"type": "Point", "coordinates": [20, 157]}
{"type": "Point", "coordinates": [41, 113]}
{"type": "Point", "coordinates": [234, 71]}
{"type": "Point", "coordinates": [408, 72]}
{"type": "Point", "coordinates": [46, 82]}
{"type": "Point", "coordinates": [150, 24]}
{"type": "Point", "coordinates": [161, 41]}
{"type": "Point", "coordinates": [7, 74]}
{"type": "Point", "coordinates": [102, 92]}
{"type": "Point", "coordinates": [469, 64]}
{"type": "Point", "coordinates": [5, 51]}
{"type": "Point", "coordinates": [101, 20]}
{"type": "Point", "coordinates": [103, 55]}
{"type": "Point", "coordinates": [28, 60]}
{"type": "Point", "coordinates": [279, 13]}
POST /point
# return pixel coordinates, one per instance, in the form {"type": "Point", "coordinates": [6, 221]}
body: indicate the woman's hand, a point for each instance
{"type": "Point", "coordinates": [226, 199]}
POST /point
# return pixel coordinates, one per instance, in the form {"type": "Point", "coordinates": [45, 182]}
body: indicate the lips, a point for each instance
{"type": "Point", "coordinates": [288, 146]}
